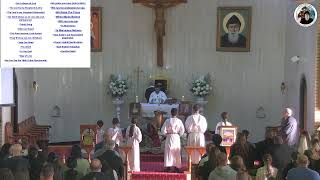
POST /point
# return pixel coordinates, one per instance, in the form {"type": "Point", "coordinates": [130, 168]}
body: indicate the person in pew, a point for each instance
{"type": "Point", "coordinates": [6, 174]}
{"type": "Point", "coordinates": [72, 173]}
{"type": "Point", "coordinates": [83, 165]}
{"type": "Point", "coordinates": [115, 132]}
{"type": "Point", "coordinates": [267, 171]}
{"type": "Point", "coordinates": [196, 126]}
{"type": "Point", "coordinates": [172, 128]}
{"type": "Point", "coordinates": [209, 165]}
{"type": "Point", "coordinates": [224, 122]}
{"type": "Point", "coordinates": [18, 165]}
{"type": "Point", "coordinates": [111, 159]}
{"type": "Point", "coordinates": [47, 172]}
{"type": "Point", "coordinates": [96, 173]}
{"type": "Point", "coordinates": [134, 137]}
{"type": "Point", "coordinates": [53, 159]}
{"type": "Point", "coordinates": [217, 139]}
{"type": "Point", "coordinates": [106, 138]}
{"type": "Point", "coordinates": [280, 154]}
{"type": "Point", "coordinates": [262, 146]}
{"type": "Point", "coordinates": [291, 165]}
{"type": "Point", "coordinates": [205, 157]}
{"type": "Point", "coordinates": [158, 96]}
{"type": "Point", "coordinates": [242, 148]}
{"type": "Point", "coordinates": [237, 164]}
{"type": "Point", "coordinates": [222, 171]}
{"type": "Point", "coordinates": [302, 171]}
{"type": "Point", "coordinates": [35, 163]}
{"type": "Point", "coordinates": [100, 131]}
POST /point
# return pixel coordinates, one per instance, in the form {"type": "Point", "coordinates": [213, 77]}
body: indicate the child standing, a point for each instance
{"type": "Point", "coordinates": [134, 137]}
{"type": "Point", "coordinates": [100, 131]}
{"type": "Point", "coordinates": [115, 132]}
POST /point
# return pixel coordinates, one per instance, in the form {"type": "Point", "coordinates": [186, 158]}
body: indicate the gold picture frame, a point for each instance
{"type": "Point", "coordinates": [228, 134]}
{"type": "Point", "coordinates": [96, 29]}
{"type": "Point", "coordinates": [233, 29]}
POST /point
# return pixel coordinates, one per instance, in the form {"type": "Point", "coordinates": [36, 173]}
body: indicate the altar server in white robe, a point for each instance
{"type": "Point", "coordinates": [115, 132]}
{"type": "Point", "coordinates": [173, 128]}
{"type": "Point", "coordinates": [134, 137]}
{"type": "Point", "coordinates": [157, 96]}
{"type": "Point", "coordinates": [196, 126]}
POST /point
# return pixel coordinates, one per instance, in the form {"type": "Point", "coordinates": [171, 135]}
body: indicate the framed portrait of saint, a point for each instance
{"type": "Point", "coordinates": [96, 29]}
{"type": "Point", "coordinates": [233, 29]}
{"type": "Point", "coordinates": [228, 134]}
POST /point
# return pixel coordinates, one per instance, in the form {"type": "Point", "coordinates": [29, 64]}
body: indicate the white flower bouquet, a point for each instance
{"type": "Point", "coordinates": [117, 87]}
{"type": "Point", "coordinates": [201, 87]}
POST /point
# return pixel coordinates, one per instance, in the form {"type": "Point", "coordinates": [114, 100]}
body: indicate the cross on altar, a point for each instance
{"type": "Point", "coordinates": [159, 6]}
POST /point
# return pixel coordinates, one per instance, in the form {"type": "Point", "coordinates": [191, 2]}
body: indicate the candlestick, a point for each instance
{"type": "Point", "coordinates": [137, 99]}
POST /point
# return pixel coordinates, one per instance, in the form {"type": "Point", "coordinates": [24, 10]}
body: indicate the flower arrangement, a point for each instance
{"type": "Point", "coordinates": [117, 86]}
{"type": "Point", "coordinates": [201, 87]}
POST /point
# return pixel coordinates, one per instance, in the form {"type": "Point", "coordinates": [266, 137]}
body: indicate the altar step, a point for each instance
{"type": "Point", "coordinates": [148, 157]}
{"type": "Point", "coordinates": [159, 176]}
{"type": "Point", "coordinates": [158, 166]}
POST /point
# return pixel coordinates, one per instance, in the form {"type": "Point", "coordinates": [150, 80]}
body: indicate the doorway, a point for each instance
{"type": "Point", "coordinates": [303, 103]}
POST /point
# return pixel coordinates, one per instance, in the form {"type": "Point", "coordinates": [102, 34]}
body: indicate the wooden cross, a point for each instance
{"type": "Point", "coordinates": [159, 6]}
{"type": "Point", "coordinates": [139, 71]}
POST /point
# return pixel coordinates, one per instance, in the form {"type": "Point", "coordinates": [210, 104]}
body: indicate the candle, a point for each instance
{"type": "Point", "coordinates": [182, 98]}
{"type": "Point", "coordinates": [137, 99]}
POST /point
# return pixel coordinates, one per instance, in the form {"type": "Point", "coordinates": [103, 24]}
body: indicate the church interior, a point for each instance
{"type": "Point", "coordinates": [185, 49]}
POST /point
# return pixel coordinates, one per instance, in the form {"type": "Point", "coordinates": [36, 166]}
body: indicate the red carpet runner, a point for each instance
{"type": "Point", "coordinates": [152, 169]}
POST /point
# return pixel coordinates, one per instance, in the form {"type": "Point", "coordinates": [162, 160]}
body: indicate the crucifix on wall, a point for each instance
{"type": "Point", "coordinates": [159, 7]}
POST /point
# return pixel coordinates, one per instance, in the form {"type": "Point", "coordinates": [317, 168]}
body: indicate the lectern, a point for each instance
{"type": "Point", "coordinates": [88, 135]}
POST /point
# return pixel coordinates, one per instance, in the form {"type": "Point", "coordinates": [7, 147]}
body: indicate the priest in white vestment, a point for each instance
{"type": "Point", "coordinates": [224, 122]}
{"type": "Point", "coordinates": [115, 132]}
{"type": "Point", "coordinates": [173, 128]}
{"type": "Point", "coordinates": [134, 137]}
{"type": "Point", "coordinates": [196, 126]}
{"type": "Point", "coordinates": [157, 96]}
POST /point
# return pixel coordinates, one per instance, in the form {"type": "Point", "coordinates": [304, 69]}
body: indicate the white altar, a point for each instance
{"type": "Point", "coordinates": [147, 110]}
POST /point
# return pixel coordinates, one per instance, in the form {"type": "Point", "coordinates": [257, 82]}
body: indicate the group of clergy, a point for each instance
{"type": "Point", "coordinates": [195, 126]}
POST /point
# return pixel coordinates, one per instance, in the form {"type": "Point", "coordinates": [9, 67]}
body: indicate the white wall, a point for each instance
{"type": "Point", "coordinates": [25, 93]}
{"type": "Point", "coordinates": [301, 42]}
{"type": "Point", "coordinates": [243, 81]}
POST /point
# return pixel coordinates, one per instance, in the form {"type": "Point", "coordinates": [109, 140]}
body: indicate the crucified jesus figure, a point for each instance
{"type": "Point", "coordinates": [160, 22]}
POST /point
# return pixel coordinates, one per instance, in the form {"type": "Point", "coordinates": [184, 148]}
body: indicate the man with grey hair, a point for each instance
{"type": "Point", "coordinates": [289, 128]}
{"type": "Point", "coordinates": [110, 159]}
{"type": "Point", "coordinates": [302, 171]}
{"type": "Point", "coordinates": [96, 173]}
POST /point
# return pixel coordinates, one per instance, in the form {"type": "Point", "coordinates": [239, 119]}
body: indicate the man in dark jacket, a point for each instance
{"type": "Point", "coordinates": [111, 159]}
{"type": "Point", "coordinates": [96, 172]}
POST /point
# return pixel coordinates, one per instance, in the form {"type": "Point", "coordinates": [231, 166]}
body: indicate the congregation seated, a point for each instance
{"type": "Point", "coordinates": [217, 139]}
{"type": "Point", "coordinates": [262, 146]}
{"type": "Point", "coordinates": [6, 174]}
{"type": "Point", "coordinates": [47, 172]}
{"type": "Point", "coordinates": [83, 165]}
{"type": "Point", "coordinates": [209, 165]}
{"type": "Point", "coordinates": [313, 155]}
{"type": "Point", "coordinates": [280, 153]}
{"type": "Point", "coordinates": [111, 160]}
{"type": "Point", "coordinates": [267, 171]}
{"type": "Point", "coordinates": [35, 163]}
{"type": "Point", "coordinates": [205, 157]}
{"type": "Point", "coordinates": [291, 165]}
{"type": "Point", "coordinates": [222, 171]}
{"type": "Point", "coordinates": [18, 165]}
{"type": "Point", "coordinates": [242, 148]}
{"type": "Point", "coordinates": [302, 171]}
{"type": "Point", "coordinates": [237, 164]}
{"type": "Point", "coordinates": [72, 173]}
{"type": "Point", "coordinates": [96, 173]}
{"type": "Point", "coordinates": [53, 160]}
